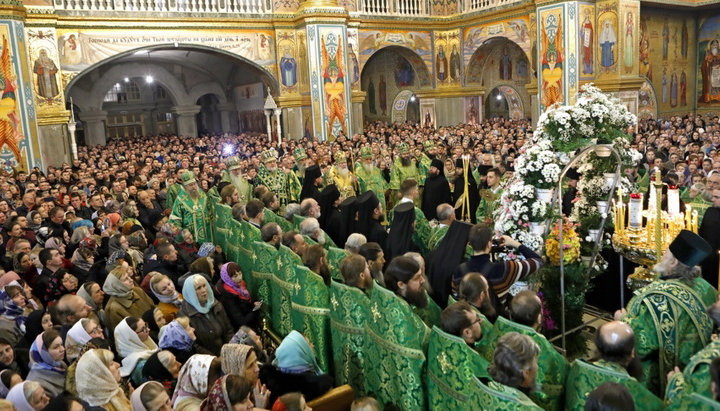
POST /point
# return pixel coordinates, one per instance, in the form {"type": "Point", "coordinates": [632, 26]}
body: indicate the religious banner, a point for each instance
{"type": "Point", "coordinates": [288, 64]}
{"type": "Point", "coordinates": [427, 113]}
{"type": "Point", "coordinates": [709, 61]}
{"type": "Point", "coordinates": [80, 49]}
{"type": "Point", "coordinates": [608, 45]}
{"type": "Point", "coordinates": [587, 41]}
{"type": "Point", "coordinates": [551, 55]}
{"type": "Point", "coordinates": [45, 66]}
{"type": "Point", "coordinates": [473, 109]}
{"type": "Point", "coordinates": [353, 59]}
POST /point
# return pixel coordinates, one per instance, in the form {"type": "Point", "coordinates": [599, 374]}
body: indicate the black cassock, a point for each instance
{"type": "Point", "coordinates": [436, 192]}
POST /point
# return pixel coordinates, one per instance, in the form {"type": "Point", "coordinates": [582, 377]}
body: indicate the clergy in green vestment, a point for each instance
{"type": "Point", "coordinates": [668, 316]}
{"type": "Point", "coordinates": [369, 176]}
{"type": "Point", "coordinates": [275, 179]}
{"type": "Point", "coordinates": [445, 216]}
{"type": "Point", "coordinates": [618, 362]}
{"type": "Point", "coordinates": [404, 168]}
{"type": "Point", "coordinates": [489, 197]}
{"type": "Point", "coordinates": [452, 361]}
{"type": "Point", "coordinates": [687, 399]}
{"type": "Point", "coordinates": [233, 174]}
{"type": "Point", "coordinates": [696, 376]}
{"type": "Point", "coordinates": [191, 209]}
{"type": "Point", "coordinates": [526, 314]}
{"type": "Point", "coordinates": [512, 373]}
{"type": "Point", "coordinates": [174, 189]}
{"type": "Point", "coordinates": [397, 337]}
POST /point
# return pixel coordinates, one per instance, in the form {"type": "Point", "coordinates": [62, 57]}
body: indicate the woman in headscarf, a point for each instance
{"type": "Point", "coordinates": [34, 220]}
{"type": "Point", "coordinates": [162, 367]}
{"type": "Point", "coordinates": [98, 381]}
{"type": "Point", "coordinates": [8, 379]}
{"type": "Point", "coordinates": [79, 334]}
{"type": "Point", "coordinates": [151, 396]}
{"type": "Point", "coordinates": [196, 377]}
{"type": "Point", "coordinates": [37, 322]}
{"type": "Point", "coordinates": [400, 237]}
{"type": "Point", "coordinates": [235, 297]}
{"type": "Point", "coordinates": [22, 263]}
{"type": "Point", "coordinates": [246, 335]}
{"type": "Point", "coordinates": [134, 346]}
{"type": "Point", "coordinates": [47, 365]}
{"type": "Point", "coordinates": [229, 393]}
{"type": "Point", "coordinates": [155, 320]}
{"type": "Point", "coordinates": [12, 315]}
{"type": "Point", "coordinates": [296, 369]}
{"type": "Point", "coordinates": [82, 259]}
{"type": "Point", "coordinates": [207, 316]}
{"type": "Point", "coordinates": [126, 299]}
{"type": "Point", "coordinates": [28, 396]}
{"type": "Point", "coordinates": [164, 290]}
{"type": "Point", "coordinates": [94, 343]}
{"type": "Point", "coordinates": [179, 338]}
{"type": "Point", "coordinates": [94, 297]}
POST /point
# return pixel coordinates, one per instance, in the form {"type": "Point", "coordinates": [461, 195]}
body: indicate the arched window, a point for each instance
{"type": "Point", "coordinates": [122, 93]}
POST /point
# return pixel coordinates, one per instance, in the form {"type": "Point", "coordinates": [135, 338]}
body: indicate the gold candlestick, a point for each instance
{"type": "Point", "coordinates": [658, 214]}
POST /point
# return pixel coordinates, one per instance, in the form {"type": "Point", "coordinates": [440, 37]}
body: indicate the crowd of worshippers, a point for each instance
{"type": "Point", "coordinates": [115, 297]}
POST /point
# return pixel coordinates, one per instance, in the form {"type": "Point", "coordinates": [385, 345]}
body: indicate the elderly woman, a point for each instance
{"type": "Point", "coordinates": [94, 297]}
{"type": "Point", "coordinates": [195, 379]}
{"type": "Point", "coordinates": [162, 367]}
{"type": "Point", "coordinates": [207, 316]}
{"type": "Point", "coordinates": [235, 297]}
{"type": "Point", "coordinates": [150, 396]}
{"type": "Point", "coordinates": [127, 300]}
{"type": "Point", "coordinates": [98, 381]}
{"type": "Point", "coordinates": [179, 338]}
{"type": "Point", "coordinates": [296, 369]}
{"type": "Point", "coordinates": [28, 396]}
{"type": "Point", "coordinates": [80, 333]}
{"type": "Point", "coordinates": [164, 290]}
{"type": "Point", "coordinates": [229, 393]}
{"type": "Point", "coordinates": [134, 346]}
{"type": "Point", "coordinates": [48, 368]}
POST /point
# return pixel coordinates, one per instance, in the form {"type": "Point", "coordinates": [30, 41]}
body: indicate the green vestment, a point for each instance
{"type": "Point", "coordinates": [695, 402]}
{"type": "Point", "coordinates": [695, 377]}
{"type": "Point", "coordinates": [195, 215]}
{"type": "Point", "coordinates": [396, 351]}
{"type": "Point", "coordinates": [349, 314]}
{"type": "Point", "coordinates": [437, 233]}
{"type": "Point", "coordinates": [335, 257]}
{"type": "Point", "coordinates": [670, 325]}
{"type": "Point", "coordinates": [430, 314]}
{"type": "Point", "coordinates": [486, 345]}
{"type": "Point", "coordinates": [584, 377]}
{"type": "Point", "coordinates": [400, 173]}
{"type": "Point", "coordinates": [421, 235]}
{"type": "Point", "coordinates": [282, 287]}
{"type": "Point", "coordinates": [242, 185]}
{"type": "Point", "coordinates": [248, 234]}
{"type": "Point", "coordinates": [372, 180]}
{"type": "Point", "coordinates": [171, 194]}
{"type": "Point", "coordinates": [451, 367]}
{"type": "Point", "coordinates": [294, 187]}
{"type": "Point", "coordinates": [277, 181]}
{"type": "Point", "coordinates": [264, 263]}
{"type": "Point", "coordinates": [222, 229]}
{"type": "Point", "coordinates": [490, 395]}
{"type": "Point", "coordinates": [552, 366]}
{"type": "Point", "coordinates": [272, 217]}
{"type": "Point", "coordinates": [311, 313]}
{"type": "Point", "coordinates": [423, 165]}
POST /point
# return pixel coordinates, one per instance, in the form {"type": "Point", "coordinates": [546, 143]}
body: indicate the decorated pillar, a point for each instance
{"type": "Point", "coordinates": [330, 74]}
{"type": "Point", "coordinates": [94, 127]}
{"type": "Point", "coordinates": [19, 142]}
{"type": "Point", "coordinates": [186, 119]}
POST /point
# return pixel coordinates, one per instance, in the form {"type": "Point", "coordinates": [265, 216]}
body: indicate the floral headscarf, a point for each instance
{"type": "Point", "coordinates": [175, 336]}
{"type": "Point", "coordinates": [41, 359]}
{"type": "Point", "coordinates": [233, 358]}
{"type": "Point", "coordinates": [193, 378]}
{"type": "Point", "coordinates": [218, 398]}
{"type": "Point", "coordinates": [230, 285]}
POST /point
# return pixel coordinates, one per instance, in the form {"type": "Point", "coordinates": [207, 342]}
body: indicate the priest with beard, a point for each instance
{"type": "Point", "coordinates": [437, 190]}
{"type": "Point", "coordinates": [459, 193]}
{"type": "Point", "coordinates": [370, 218]}
{"type": "Point", "coordinates": [400, 237]}
{"type": "Point", "coordinates": [235, 176]}
{"type": "Point", "coordinates": [311, 183]}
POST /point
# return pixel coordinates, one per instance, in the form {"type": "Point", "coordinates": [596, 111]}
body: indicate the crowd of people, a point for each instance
{"type": "Point", "coordinates": [119, 289]}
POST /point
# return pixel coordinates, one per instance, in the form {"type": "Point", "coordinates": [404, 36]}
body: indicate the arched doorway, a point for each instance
{"type": "Point", "coordinates": [390, 71]}
{"type": "Point", "coordinates": [504, 101]}
{"type": "Point", "coordinates": [647, 102]}
{"type": "Point", "coordinates": [193, 88]}
{"type": "Point", "coordinates": [502, 66]}
{"type": "Point", "coordinates": [406, 108]}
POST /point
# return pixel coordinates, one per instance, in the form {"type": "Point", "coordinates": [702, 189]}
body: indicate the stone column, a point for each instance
{"type": "Point", "coordinates": [227, 114]}
{"type": "Point", "coordinates": [186, 118]}
{"type": "Point", "coordinates": [94, 127]}
{"type": "Point", "coordinates": [268, 123]}
{"type": "Point", "coordinates": [277, 112]}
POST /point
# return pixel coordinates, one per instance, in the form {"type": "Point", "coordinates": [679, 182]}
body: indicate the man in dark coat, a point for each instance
{"type": "Point", "coordinates": [709, 231]}
{"type": "Point", "coordinates": [311, 182]}
{"type": "Point", "coordinates": [370, 216]}
{"type": "Point", "coordinates": [437, 190]}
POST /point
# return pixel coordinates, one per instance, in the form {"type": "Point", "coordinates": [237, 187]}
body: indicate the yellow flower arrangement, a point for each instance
{"type": "Point", "coordinates": [571, 244]}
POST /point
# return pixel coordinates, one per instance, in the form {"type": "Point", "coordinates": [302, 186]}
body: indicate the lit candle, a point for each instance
{"type": "Point", "coordinates": [695, 221]}
{"type": "Point", "coordinates": [673, 197]}
{"type": "Point", "coordinates": [635, 211]}
{"type": "Point", "coordinates": [688, 213]}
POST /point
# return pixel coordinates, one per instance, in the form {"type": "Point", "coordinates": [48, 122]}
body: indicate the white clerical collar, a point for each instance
{"type": "Point", "coordinates": [441, 225]}
{"type": "Point", "coordinates": [405, 200]}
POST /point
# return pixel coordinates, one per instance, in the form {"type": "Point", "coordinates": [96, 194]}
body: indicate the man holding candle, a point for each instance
{"type": "Point", "coordinates": [709, 231]}
{"type": "Point", "coordinates": [668, 316]}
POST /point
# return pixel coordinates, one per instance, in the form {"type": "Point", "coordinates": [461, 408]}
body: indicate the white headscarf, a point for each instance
{"type": "Point", "coordinates": [96, 384]}
{"type": "Point", "coordinates": [17, 397]}
{"type": "Point", "coordinates": [76, 338]}
{"type": "Point", "coordinates": [136, 401]}
{"type": "Point", "coordinates": [130, 348]}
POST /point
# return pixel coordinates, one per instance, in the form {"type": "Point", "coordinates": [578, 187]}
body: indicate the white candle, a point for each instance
{"type": "Point", "coordinates": [635, 212]}
{"type": "Point", "coordinates": [673, 197]}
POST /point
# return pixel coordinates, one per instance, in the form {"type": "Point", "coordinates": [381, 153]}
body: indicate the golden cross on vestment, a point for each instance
{"type": "Point", "coordinates": [334, 302]}
{"type": "Point", "coordinates": [375, 312]}
{"type": "Point", "coordinates": [444, 363]}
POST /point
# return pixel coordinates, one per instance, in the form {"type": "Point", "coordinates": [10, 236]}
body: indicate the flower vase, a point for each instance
{"type": "Point", "coordinates": [602, 207]}
{"type": "Point", "coordinates": [594, 234]}
{"type": "Point", "coordinates": [544, 194]}
{"type": "Point", "coordinates": [603, 150]}
{"type": "Point", "coordinates": [609, 179]}
{"type": "Point", "coordinates": [537, 227]}
{"type": "Point", "coordinates": [586, 260]}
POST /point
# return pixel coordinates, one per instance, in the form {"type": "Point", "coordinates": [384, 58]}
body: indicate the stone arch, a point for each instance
{"type": "Point", "coordinates": [483, 54]}
{"type": "Point", "coordinates": [647, 101]}
{"type": "Point", "coordinates": [515, 106]}
{"type": "Point", "coordinates": [422, 73]}
{"type": "Point", "coordinates": [201, 89]}
{"type": "Point", "coordinates": [400, 105]}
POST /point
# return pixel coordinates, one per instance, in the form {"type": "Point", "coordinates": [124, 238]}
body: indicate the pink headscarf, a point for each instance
{"type": "Point", "coordinates": [8, 277]}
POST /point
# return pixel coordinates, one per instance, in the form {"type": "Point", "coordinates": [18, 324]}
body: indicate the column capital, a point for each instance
{"type": "Point", "coordinates": [95, 115]}
{"type": "Point", "coordinates": [186, 111]}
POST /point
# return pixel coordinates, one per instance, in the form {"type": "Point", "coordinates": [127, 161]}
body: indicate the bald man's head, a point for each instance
{"type": "Point", "coordinates": [526, 309]}
{"type": "Point", "coordinates": [616, 342]}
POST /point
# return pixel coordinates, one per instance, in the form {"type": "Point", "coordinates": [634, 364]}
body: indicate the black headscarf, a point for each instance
{"type": "Point", "coordinates": [445, 258]}
{"type": "Point", "coordinates": [33, 325]}
{"type": "Point", "coordinates": [436, 192]}
{"type": "Point", "coordinates": [348, 208]}
{"type": "Point", "coordinates": [309, 189]}
{"type": "Point", "coordinates": [366, 204]}
{"type": "Point", "coordinates": [328, 196]}
{"type": "Point", "coordinates": [155, 370]}
{"type": "Point", "coordinates": [399, 239]}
